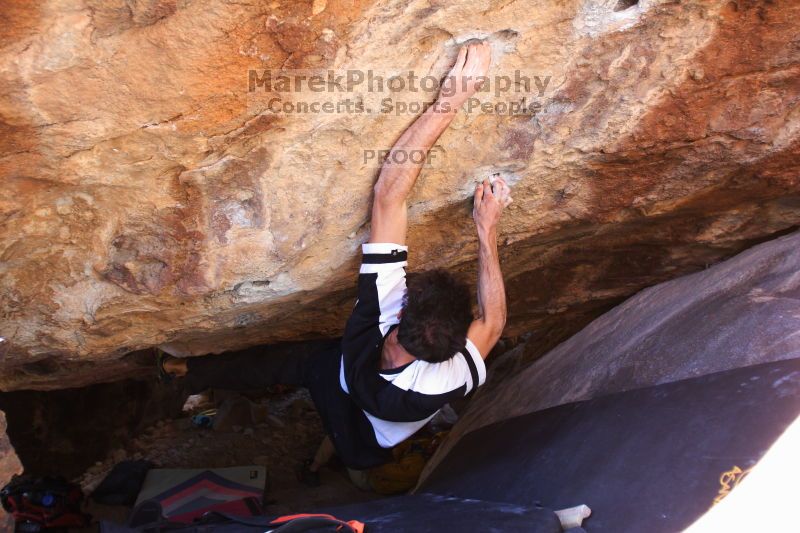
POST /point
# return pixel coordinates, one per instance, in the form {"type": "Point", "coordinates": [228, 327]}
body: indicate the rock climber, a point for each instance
{"type": "Point", "coordinates": [408, 349]}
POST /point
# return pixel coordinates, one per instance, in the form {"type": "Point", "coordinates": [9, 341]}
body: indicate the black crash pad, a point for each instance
{"type": "Point", "coordinates": [418, 513]}
{"type": "Point", "coordinates": [432, 513]}
{"type": "Point", "coordinates": [642, 460]}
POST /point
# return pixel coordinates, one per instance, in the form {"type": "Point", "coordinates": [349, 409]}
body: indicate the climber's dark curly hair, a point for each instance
{"type": "Point", "coordinates": [437, 312]}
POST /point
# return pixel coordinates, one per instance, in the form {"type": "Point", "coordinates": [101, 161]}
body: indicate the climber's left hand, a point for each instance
{"type": "Point", "coordinates": [467, 75]}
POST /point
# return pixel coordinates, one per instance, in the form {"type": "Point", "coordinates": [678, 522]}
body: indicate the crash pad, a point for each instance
{"type": "Point", "coordinates": [185, 494]}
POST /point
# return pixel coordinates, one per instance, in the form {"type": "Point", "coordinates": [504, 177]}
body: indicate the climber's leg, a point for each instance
{"type": "Point", "coordinates": [308, 471]}
{"type": "Point", "coordinates": [248, 369]}
{"type": "Point", "coordinates": [324, 454]}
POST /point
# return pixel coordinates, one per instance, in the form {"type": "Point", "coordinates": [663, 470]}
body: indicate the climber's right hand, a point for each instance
{"type": "Point", "coordinates": [489, 201]}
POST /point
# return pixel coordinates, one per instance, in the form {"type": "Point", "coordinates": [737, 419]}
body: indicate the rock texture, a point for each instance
{"type": "Point", "coordinates": [150, 199]}
{"type": "Point", "coordinates": [9, 467]}
{"type": "Point", "coordinates": [742, 312]}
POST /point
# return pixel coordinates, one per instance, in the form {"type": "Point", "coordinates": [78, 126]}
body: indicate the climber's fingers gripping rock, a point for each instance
{"type": "Point", "coordinates": [468, 73]}
{"type": "Point", "coordinates": [502, 191]}
{"type": "Point", "coordinates": [489, 202]}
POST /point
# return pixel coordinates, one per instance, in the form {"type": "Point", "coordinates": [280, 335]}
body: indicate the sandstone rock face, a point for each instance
{"type": "Point", "coordinates": [9, 467]}
{"type": "Point", "coordinates": [151, 199]}
{"type": "Point", "coordinates": [741, 312]}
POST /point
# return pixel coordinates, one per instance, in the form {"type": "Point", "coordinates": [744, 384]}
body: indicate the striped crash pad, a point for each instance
{"type": "Point", "coordinates": [185, 494]}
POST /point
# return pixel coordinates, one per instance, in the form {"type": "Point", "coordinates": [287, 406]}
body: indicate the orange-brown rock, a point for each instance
{"type": "Point", "coordinates": [9, 467]}
{"type": "Point", "coordinates": [151, 199]}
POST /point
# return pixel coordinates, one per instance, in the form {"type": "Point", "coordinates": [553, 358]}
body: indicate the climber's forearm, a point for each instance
{"type": "Point", "coordinates": [486, 329]}
{"type": "Point", "coordinates": [397, 179]}
{"type": "Point", "coordinates": [491, 289]}
{"type": "Point", "coordinates": [389, 217]}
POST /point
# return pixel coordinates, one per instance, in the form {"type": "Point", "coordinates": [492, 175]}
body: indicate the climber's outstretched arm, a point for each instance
{"type": "Point", "coordinates": [490, 200]}
{"type": "Point", "coordinates": [389, 210]}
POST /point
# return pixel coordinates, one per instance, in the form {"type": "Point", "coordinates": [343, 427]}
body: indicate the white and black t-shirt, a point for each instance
{"type": "Point", "coordinates": [400, 401]}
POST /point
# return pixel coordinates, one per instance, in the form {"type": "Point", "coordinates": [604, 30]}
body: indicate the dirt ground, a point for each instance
{"type": "Point", "coordinates": [286, 431]}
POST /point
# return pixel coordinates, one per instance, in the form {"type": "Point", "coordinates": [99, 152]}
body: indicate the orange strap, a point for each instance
{"type": "Point", "coordinates": [289, 517]}
{"type": "Point", "coordinates": [357, 526]}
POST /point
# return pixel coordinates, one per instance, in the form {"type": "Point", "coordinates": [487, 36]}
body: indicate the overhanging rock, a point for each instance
{"type": "Point", "coordinates": [150, 199]}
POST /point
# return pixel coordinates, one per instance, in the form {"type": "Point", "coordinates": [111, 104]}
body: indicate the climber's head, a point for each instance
{"type": "Point", "coordinates": [437, 312]}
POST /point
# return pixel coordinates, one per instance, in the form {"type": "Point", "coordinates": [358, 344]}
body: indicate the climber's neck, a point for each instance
{"type": "Point", "coordinates": [393, 354]}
